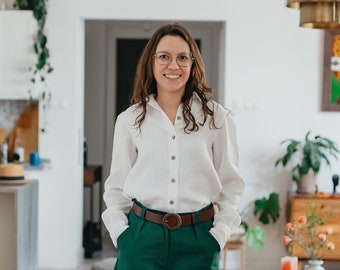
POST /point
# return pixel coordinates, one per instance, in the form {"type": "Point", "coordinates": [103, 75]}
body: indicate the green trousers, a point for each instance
{"type": "Point", "coordinates": [145, 245]}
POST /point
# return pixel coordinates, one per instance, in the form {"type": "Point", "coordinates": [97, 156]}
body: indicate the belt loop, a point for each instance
{"type": "Point", "coordinates": [142, 213]}
{"type": "Point", "coordinates": [143, 209]}
{"type": "Point", "coordinates": [197, 217]}
{"type": "Point", "coordinates": [192, 215]}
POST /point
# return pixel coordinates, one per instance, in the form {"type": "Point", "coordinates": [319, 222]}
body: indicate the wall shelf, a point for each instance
{"type": "Point", "coordinates": [17, 29]}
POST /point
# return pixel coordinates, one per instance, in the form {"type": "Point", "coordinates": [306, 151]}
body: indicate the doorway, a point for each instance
{"type": "Point", "coordinates": [128, 53]}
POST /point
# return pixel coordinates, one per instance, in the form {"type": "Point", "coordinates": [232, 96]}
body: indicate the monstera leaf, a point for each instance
{"type": "Point", "coordinates": [256, 238]}
{"type": "Point", "coordinates": [267, 208]}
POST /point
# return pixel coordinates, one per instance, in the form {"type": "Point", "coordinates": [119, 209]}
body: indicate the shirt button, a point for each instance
{"type": "Point", "coordinates": [173, 157]}
{"type": "Point", "coordinates": [171, 202]}
{"type": "Point", "coordinates": [173, 137]}
{"type": "Point", "coordinates": [179, 118]}
{"type": "Point", "coordinates": [173, 180]}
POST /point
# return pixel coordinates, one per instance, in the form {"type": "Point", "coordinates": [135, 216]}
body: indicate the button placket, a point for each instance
{"type": "Point", "coordinates": [173, 169]}
{"type": "Point", "coordinates": [179, 116]}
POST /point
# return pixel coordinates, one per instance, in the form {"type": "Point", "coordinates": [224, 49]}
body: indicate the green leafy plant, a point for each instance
{"type": "Point", "coordinates": [42, 66]}
{"type": "Point", "coordinates": [307, 154]}
{"type": "Point", "coordinates": [265, 210]}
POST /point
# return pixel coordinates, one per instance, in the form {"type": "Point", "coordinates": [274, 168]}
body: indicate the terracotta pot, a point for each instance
{"type": "Point", "coordinates": [307, 183]}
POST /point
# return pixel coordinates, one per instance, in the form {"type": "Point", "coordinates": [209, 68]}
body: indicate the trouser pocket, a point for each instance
{"type": "Point", "coordinates": [207, 237]}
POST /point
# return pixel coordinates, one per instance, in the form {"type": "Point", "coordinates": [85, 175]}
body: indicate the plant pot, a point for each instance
{"type": "Point", "coordinates": [307, 183]}
{"type": "Point", "coordinates": [314, 265]}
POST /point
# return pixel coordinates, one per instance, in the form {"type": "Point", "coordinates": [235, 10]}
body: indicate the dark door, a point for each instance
{"type": "Point", "coordinates": [128, 53]}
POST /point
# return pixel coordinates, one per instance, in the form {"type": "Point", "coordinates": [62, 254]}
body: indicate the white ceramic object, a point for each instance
{"type": "Point", "coordinates": [314, 265]}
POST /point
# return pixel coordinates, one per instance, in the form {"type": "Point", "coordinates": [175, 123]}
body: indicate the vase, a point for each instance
{"type": "Point", "coordinates": [314, 265]}
{"type": "Point", "coordinates": [307, 183]}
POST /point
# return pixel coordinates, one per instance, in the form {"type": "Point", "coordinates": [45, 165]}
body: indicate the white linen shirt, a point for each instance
{"type": "Point", "coordinates": [169, 170]}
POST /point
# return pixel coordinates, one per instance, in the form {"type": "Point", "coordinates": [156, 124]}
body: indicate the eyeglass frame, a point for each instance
{"type": "Point", "coordinates": [171, 58]}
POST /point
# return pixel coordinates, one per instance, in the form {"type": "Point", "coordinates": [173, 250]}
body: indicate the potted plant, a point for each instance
{"type": "Point", "coordinates": [265, 210]}
{"type": "Point", "coordinates": [306, 157]}
{"type": "Point", "coordinates": [309, 233]}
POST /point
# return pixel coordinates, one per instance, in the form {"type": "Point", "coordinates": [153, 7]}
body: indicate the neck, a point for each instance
{"type": "Point", "coordinates": [169, 104]}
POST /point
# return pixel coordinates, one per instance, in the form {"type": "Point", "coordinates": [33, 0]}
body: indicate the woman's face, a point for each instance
{"type": "Point", "coordinates": [172, 64]}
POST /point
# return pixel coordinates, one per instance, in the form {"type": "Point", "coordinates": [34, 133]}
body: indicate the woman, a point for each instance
{"type": "Point", "coordinates": [174, 154]}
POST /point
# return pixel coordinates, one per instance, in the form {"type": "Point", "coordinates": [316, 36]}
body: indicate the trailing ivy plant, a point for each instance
{"type": "Point", "coordinates": [42, 66]}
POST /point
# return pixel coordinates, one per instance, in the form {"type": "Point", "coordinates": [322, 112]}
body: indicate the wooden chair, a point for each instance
{"type": "Point", "coordinates": [236, 242]}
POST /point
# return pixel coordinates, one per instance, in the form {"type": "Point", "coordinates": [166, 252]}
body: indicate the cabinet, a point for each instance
{"type": "Point", "coordinates": [18, 226]}
{"type": "Point", "coordinates": [298, 204]}
{"type": "Point", "coordinates": [17, 30]}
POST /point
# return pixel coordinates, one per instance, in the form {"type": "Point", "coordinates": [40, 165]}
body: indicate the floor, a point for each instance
{"type": "Point", "coordinates": [107, 251]}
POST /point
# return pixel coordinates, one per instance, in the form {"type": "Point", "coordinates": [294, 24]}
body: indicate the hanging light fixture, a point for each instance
{"type": "Point", "coordinates": [321, 14]}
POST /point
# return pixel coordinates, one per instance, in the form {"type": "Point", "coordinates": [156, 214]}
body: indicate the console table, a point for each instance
{"type": "Point", "coordinates": [18, 226]}
{"type": "Point", "coordinates": [298, 204]}
{"type": "Point", "coordinates": [92, 239]}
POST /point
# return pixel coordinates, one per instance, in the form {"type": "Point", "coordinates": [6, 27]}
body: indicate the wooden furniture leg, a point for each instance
{"type": "Point", "coordinates": [237, 242]}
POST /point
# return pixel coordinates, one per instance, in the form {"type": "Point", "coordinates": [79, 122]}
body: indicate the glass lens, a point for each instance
{"type": "Point", "coordinates": [164, 59]}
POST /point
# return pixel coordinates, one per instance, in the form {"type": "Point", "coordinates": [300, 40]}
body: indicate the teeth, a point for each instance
{"type": "Point", "coordinates": [172, 76]}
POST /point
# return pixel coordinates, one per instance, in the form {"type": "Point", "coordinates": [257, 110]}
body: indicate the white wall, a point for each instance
{"type": "Point", "coordinates": [271, 64]}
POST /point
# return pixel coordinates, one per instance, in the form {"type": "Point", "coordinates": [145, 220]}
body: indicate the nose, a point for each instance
{"type": "Point", "coordinates": [173, 63]}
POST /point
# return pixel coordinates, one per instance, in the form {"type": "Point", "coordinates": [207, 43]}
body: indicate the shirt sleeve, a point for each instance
{"type": "Point", "coordinates": [118, 204]}
{"type": "Point", "coordinates": [226, 161]}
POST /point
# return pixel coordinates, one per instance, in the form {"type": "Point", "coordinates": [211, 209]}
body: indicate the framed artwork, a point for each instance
{"type": "Point", "coordinates": [331, 74]}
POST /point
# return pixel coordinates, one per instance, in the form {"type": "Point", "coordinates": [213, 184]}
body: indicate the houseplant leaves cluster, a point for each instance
{"type": "Point", "coordinates": [308, 154]}
{"type": "Point", "coordinates": [266, 210]}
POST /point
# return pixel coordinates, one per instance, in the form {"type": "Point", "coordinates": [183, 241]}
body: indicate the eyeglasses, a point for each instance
{"type": "Point", "coordinates": [183, 60]}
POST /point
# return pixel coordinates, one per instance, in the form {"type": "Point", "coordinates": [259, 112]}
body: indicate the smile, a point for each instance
{"type": "Point", "coordinates": [172, 76]}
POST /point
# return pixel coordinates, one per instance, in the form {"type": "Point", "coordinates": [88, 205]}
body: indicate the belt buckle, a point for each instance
{"type": "Point", "coordinates": [172, 221]}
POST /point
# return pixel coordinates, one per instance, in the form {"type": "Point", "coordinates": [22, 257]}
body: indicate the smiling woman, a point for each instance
{"type": "Point", "coordinates": [174, 156]}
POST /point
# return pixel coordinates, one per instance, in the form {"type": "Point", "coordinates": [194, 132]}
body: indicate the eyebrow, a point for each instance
{"type": "Point", "coordinates": [177, 54]}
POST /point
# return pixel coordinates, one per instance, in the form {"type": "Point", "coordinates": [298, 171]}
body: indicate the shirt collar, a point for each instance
{"type": "Point", "coordinates": [195, 103]}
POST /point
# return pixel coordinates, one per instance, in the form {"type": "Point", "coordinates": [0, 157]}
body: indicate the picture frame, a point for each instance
{"type": "Point", "coordinates": [331, 71]}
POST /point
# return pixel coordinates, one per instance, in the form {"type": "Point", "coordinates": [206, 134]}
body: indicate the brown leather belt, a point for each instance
{"type": "Point", "coordinates": [173, 221]}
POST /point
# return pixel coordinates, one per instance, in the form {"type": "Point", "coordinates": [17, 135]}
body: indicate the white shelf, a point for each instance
{"type": "Point", "coordinates": [17, 30]}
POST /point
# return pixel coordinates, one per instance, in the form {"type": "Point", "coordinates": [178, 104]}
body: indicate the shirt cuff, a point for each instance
{"type": "Point", "coordinates": [221, 236]}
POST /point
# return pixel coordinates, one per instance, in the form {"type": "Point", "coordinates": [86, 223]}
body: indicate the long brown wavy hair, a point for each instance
{"type": "Point", "coordinates": [145, 83]}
